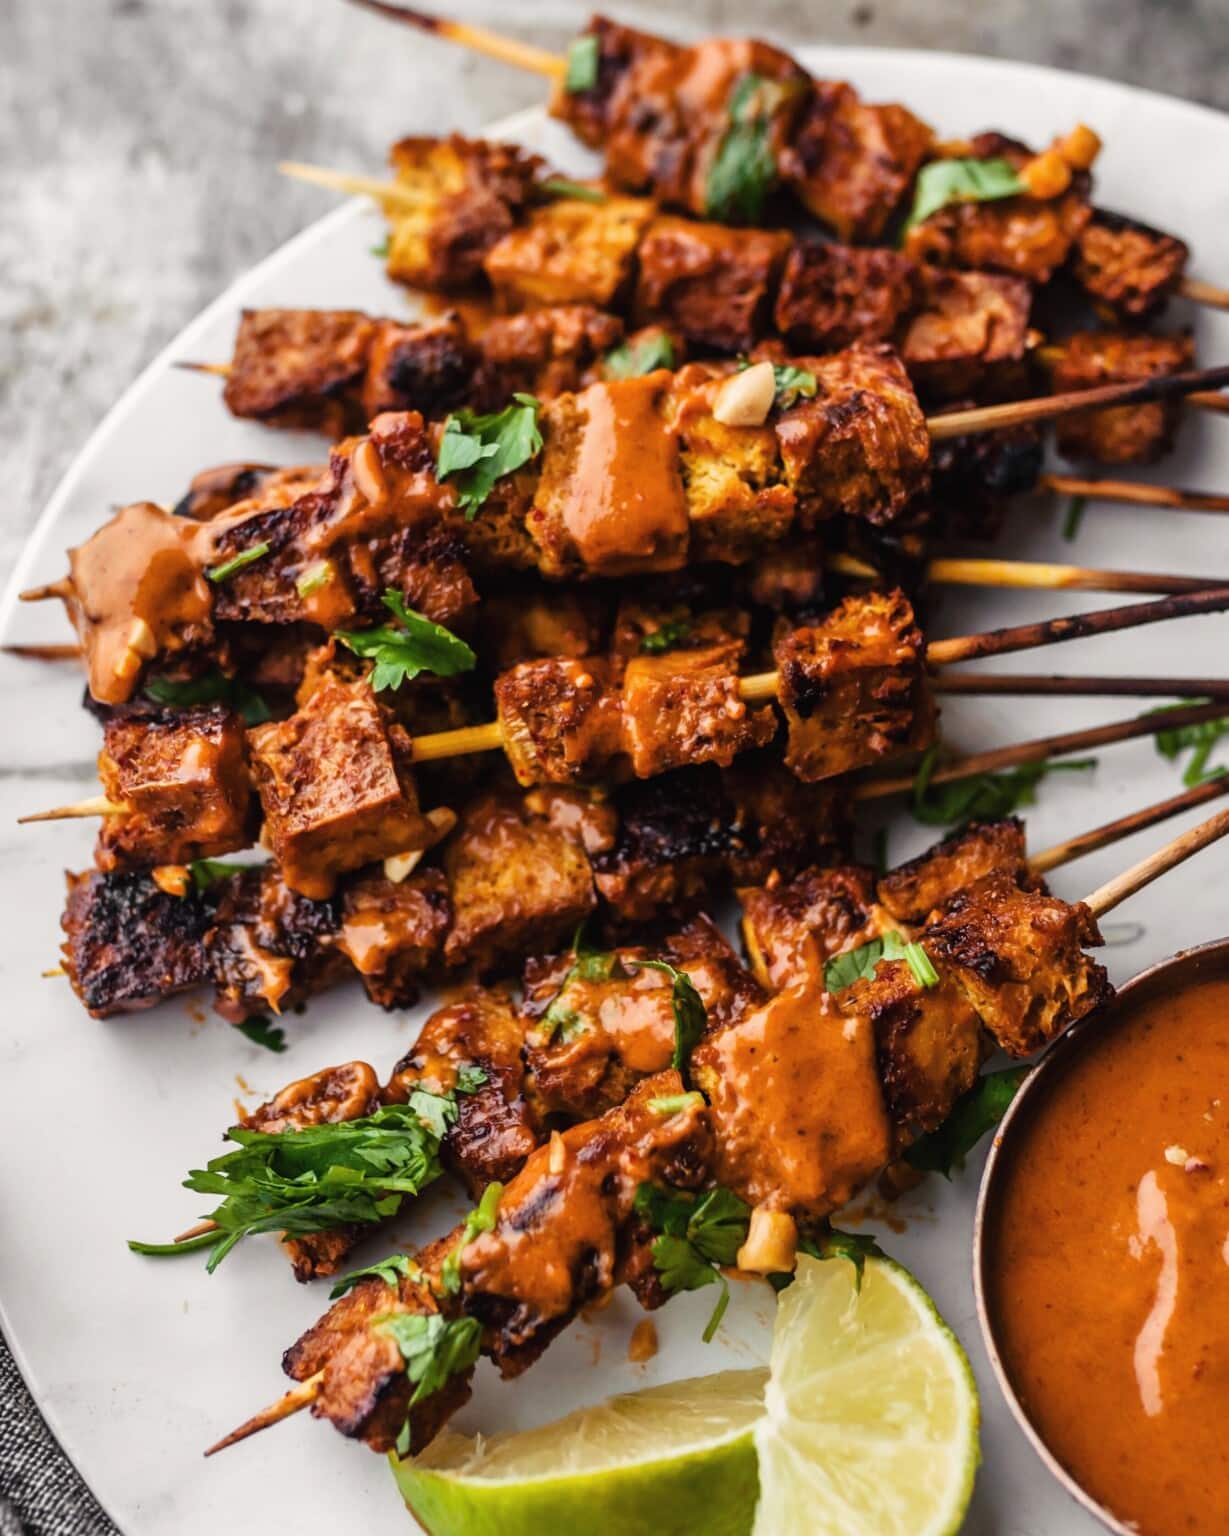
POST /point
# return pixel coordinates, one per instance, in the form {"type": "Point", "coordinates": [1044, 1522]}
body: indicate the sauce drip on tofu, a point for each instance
{"type": "Point", "coordinates": [1109, 1262]}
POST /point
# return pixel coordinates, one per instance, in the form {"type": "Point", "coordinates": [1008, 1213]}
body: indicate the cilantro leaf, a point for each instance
{"type": "Point", "coordinates": [313, 578]}
{"type": "Point", "coordinates": [744, 171]}
{"type": "Point", "coordinates": [476, 451]}
{"type": "Point", "coordinates": [860, 964]}
{"type": "Point", "coordinates": [1075, 516]}
{"type": "Point", "coordinates": [388, 1270]}
{"type": "Point", "coordinates": [973, 1114]}
{"type": "Point", "coordinates": [578, 191]}
{"type": "Point", "coordinates": [830, 1243]}
{"type": "Point", "coordinates": [480, 1219]}
{"type": "Point", "coordinates": [675, 1103]}
{"type": "Point", "coordinates": [696, 1234]}
{"type": "Point", "coordinates": [665, 637]}
{"type": "Point", "coordinates": [591, 965]}
{"type": "Point", "coordinates": [944, 182]}
{"type": "Point", "coordinates": [790, 383]}
{"type": "Point", "coordinates": [1198, 739]}
{"type": "Point", "coordinates": [581, 72]}
{"type": "Point", "coordinates": [982, 796]}
{"type": "Point", "coordinates": [633, 359]}
{"type": "Point", "coordinates": [261, 1032]}
{"type": "Point", "coordinates": [208, 872]}
{"type": "Point", "coordinates": [690, 1018]}
{"type": "Point", "coordinates": [469, 1079]}
{"type": "Point", "coordinates": [415, 645]}
{"type": "Point", "coordinates": [434, 1349]}
{"type": "Point", "coordinates": [238, 562]}
{"type": "Point", "coordinates": [214, 687]}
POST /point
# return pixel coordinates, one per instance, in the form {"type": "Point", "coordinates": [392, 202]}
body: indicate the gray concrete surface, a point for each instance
{"type": "Point", "coordinates": [136, 181]}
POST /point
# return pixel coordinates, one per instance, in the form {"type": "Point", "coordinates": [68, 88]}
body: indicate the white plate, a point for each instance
{"type": "Point", "coordinates": [139, 1364]}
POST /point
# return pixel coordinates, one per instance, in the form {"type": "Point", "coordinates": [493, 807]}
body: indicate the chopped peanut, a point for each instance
{"type": "Point", "coordinates": [772, 1243]}
{"type": "Point", "coordinates": [1046, 175]}
{"type": "Point", "coordinates": [1079, 148]}
{"type": "Point", "coordinates": [368, 474]}
{"type": "Point", "coordinates": [400, 866]}
{"type": "Point", "coordinates": [745, 399]}
{"type": "Point", "coordinates": [643, 1344]}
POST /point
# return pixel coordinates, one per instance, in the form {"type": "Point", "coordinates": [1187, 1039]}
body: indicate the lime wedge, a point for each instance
{"type": "Point", "coordinates": [668, 1461]}
{"type": "Point", "coordinates": [871, 1414]}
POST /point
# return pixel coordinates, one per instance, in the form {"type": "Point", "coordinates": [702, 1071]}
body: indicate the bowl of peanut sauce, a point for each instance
{"type": "Point", "coordinates": [1101, 1253]}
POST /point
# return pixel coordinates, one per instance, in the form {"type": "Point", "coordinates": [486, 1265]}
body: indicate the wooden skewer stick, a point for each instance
{"type": "Point", "coordinates": [1050, 577]}
{"type": "Point", "coordinates": [97, 805]}
{"type": "Point", "coordinates": [1135, 493]}
{"type": "Point", "coordinates": [66, 652]}
{"type": "Point", "coordinates": [1100, 837]}
{"type": "Point", "coordinates": [290, 1402]}
{"type": "Point", "coordinates": [537, 61]}
{"type": "Point", "coordinates": [61, 589]}
{"type": "Point", "coordinates": [384, 192]}
{"type": "Point", "coordinates": [1110, 895]}
{"type": "Point", "coordinates": [1021, 685]}
{"type": "Point", "coordinates": [198, 1230]}
{"type": "Point", "coordinates": [1199, 292]}
{"type": "Point", "coordinates": [218, 370]}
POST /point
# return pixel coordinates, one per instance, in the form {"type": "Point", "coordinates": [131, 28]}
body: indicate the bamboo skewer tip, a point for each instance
{"type": "Point", "coordinates": [1114, 892]}
{"type": "Point", "coordinates": [289, 1403]}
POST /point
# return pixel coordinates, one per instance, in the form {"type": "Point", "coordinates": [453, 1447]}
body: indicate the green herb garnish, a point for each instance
{"type": "Point", "coordinates": [675, 1103]}
{"type": "Point", "coordinates": [260, 1032]}
{"type": "Point", "coordinates": [415, 645]}
{"type": "Point", "coordinates": [982, 796]}
{"type": "Point", "coordinates": [389, 1270]}
{"type": "Point", "coordinates": [632, 360]}
{"type": "Point", "coordinates": [313, 578]}
{"type": "Point", "coordinates": [381, 250]}
{"type": "Point", "coordinates": [690, 1018]}
{"type": "Point", "coordinates": [476, 451]}
{"type": "Point", "coordinates": [1198, 739]}
{"type": "Point", "coordinates": [944, 182]}
{"type": "Point", "coordinates": [696, 1235]}
{"type": "Point", "coordinates": [857, 1247]}
{"type": "Point", "coordinates": [208, 872]}
{"type": "Point", "coordinates": [590, 965]}
{"type": "Point", "coordinates": [1075, 516]}
{"type": "Point", "coordinates": [577, 191]}
{"type": "Point", "coordinates": [434, 1349]}
{"type": "Point", "coordinates": [238, 562]}
{"type": "Point", "coordinates": [791, 384]}
{"type": "Point", "coordinates": [214, 687]}
{"type": "Point", "coordinates": [861, 964]}
{"type": "Point", "coordinates": [480, 1219]}
{"type": "Point", "coordinates": [973, 1114]}
{"type": "Point", "coordinates": [665, 637]}
{"type": "Point", "coordinates": [744, 172]}
{"type": "Point", "coordinates": [581, 72]}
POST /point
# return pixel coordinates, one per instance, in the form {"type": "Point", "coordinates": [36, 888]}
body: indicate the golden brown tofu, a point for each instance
{"type": "Point", "coordinates": [912, 891]}
{"type": "Point", "coordinates": [544, 352]}
{"type": "Point", "coordinates": [683, 707]}
{"type": "Point", "coordinates": [183, 775]}
{"type": "Point", "coordinates": [299, 367]}
{"type": "Point", "coordinates": [851, 163]}
{"type": "Point", "coordinates": [620, 53]}
{"type": "Point", "coordinates": [1125, 434]}
{"type": "Point", "coordinates": [712, 284]}
{"type": "Point", "coordinates": [561, 722]}
{"type": "Point", "coordinates": [851, 685]}
{"type": "Point", "coordinates": [336, 787]}
{"type": "Point", "coordinates": [535, 626]}
{"type": "Point", "coordinates": [428, 366]}
{"type": "Point", "coordinates": [792, 927]}
{"type": "Point", "coordinates": [220, 487]}
{"type": "Point", "coordinates": [519, 877]}
{"type": "Point", "coordinates": [610, 498]}
{"type": "Point", "coordinates": [569, 251]}
{"type": "Point", "coordinates": [835, 295]}
{"type": "Point", "coordinates": [650, 629]}
{"type": "Point", "coordinates": [797, 1106]}
{"type": "Point", "coordinates": [464, 194]}
{"type": "Point", "coordinates": [392, 932]}
{"type": "Point", "coordinates": [1127, 269]}
{"type": "Point", "coordinates": [1019, 957]}
{"type": "Point", "coordinates": [860, 446]}
{"type": "Point", "coordinates": [967, 329]}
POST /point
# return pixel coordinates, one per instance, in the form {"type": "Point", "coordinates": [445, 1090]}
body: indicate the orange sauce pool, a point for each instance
{"type": "Point", "coordinates": [1108, 1262]}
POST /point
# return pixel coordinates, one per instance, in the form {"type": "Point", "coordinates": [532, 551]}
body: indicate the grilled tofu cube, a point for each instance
{"type": "Point", "coordinates": [969, 328]}
{"type": "Point", "coordinates": [851, 163]}
{"type": "Point", "coordinates": [1124, 434]}
{"type": "Point", "coordinates": [299, 367]}
{"type": "Point", "coordinates": [650, 629]}
{"type": "Point", "coordinates": [860, 446]}
{"type": "Point", "coordinates": [622, 53]}
{"type": "Point", "coordinates": [1019, 957]}
{"type": "Point", "coordinates": [835, 295]}
{"type": "Point", "coordinates": [429, 367]}
{"type": "Point", "coordinates": [183, 774]}
{"type": "Point", "coordinates": [214, 490]}
{"type": "Point", "coordinates": [683, 708]}
{"type": "Point", "coordinates": [929, 1044]}
{"type": "Point", "coordinates": [465, 194]}
{"type": "Point", "coordinates": [529, 626]}
{"type": "Point", "coordinates": [797, 1106]}
{"type": "Point", "coordinates": [518, 876]}
{"type": "Point", "coordinates": [1127, 269]}
{"type": "Point", "coordinates": [393, 932]}
{"type": "Point", "coordinates": [711, 283]}
{"type": "Point", "coordinates": [569, 251]}
{"type": "Point", "coordinates": [544, 352]}
{"type": "Point", "coordinates": [851, 686]}
{"type": "Point", "coordinates": [912, 891]}
{"type": "Point", "coordinates": [560, 721]}
{"type": "Point", "coordinates": [337, 788]}
{"type": "Point", "coordinates": [790, 928]}
{"type": "Point", "coordinates": [129, 944]}
{"type": "Point", "coordinates": [610, 499]}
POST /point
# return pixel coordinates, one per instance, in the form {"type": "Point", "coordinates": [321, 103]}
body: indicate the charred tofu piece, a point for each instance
{"type": "Point", "coordinates": [929, 1044]}
{"type": "Point", "coordinates": [791, 927]}
{"type": "Point", "coordinates": [1023, 236]}
{"type": "Point", "coordinates": [851, 686]}
{"type": "Point", "coordinates": [430, 367]}
{"type": "Point", "coordinates": [1125, 434]}
{"type": "Point", "coordinates": [271, 948]}
{"type": "Point", "coordinates": [797, 1107]}
{"type": "Point", "coordinates": [299, 367]}
{"type": "Point", "coordinates": [129, 944]}
{"type": "Point", "coordinates": [791, 579]}
{"type": "Point", "coordinates": [392, 932]}
{"type": "Point", "coordinates": [736, 501]}
{"type": "Point", "coordinates": [610, 499]}
{"type": "Point", "coordinates": [683, 708]}
{"type": "Point", "coordinates": [1127, 269]}
{"type": "Point", "coordinates": [967, 331]}
{"type": "Point", "coordinates": [851, 163]}
{"type": "Point", "coordinates": [1019, 957]}
{"type": "Point", "coordinates": [650, 629]}
{"type": "Point", "coordinates": [598, 1023]}
{"type": "Point", "coordinates": [336, 787]}
{"type": "Point", "coordinates": [214, 490]}
{"type": "Point", "coordinates": [466, 194]}
{"type": "Point", "coordinates": [569, 251]}
{"type": "Point", "coordinates": [560, 720]}
{"type": "Point", "coordinates": [912, 891]}
{"type": "Point", "coordinates": [972, 477]}
{"type": "Point", "coordinates": [519, 877]}
{"type": "Point", "coordinates": [495, 1129]}
{"type": "Point", "coordinates": [712, 284]}
{"type": "Point", "coordinates": [860, 446]}
{"type": "Point", "coordinates": [785, 824]}
{"type": "Point", "coordinates": [531, 626]}
{"type": "Point", "coordinates": [832, 296]}
{"type": "Point", "coordinates": [544, 352]}
{"type": "Point", "coordinates": [183, 776]}
{"type": "Point", "coordinates": [431, 570]}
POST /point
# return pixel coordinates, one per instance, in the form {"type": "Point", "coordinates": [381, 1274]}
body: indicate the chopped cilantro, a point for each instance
{"type": "Point", "coordinates": [415, 645]}
{"type": "Point", "coordinates": [696, 1234]}
{"type": "Point", "coordinates": [690, 1018]}
{"type": "Point", "coordinates": [861, 963]}
{"type": "Point", "coordinates": [987, 796]}
{"type": "Point", "coordinates": [633, 359]}
{"type": "Point", "coordinates": [381, 250]}
{"type": "Point", "coordinates": [434, 1349]}
{"type": "Point", "coordinates": [261, 1032]}
{"type": "Point", "coordinates": [1197, 739]}
{"type": "Point", "coordinates": [238, 562]}
{"type": "Point", "coordinates": [476, 451]}
{"type": "Point", "coordinates": [208, 872]}
{"type": "Point", "coordinates": [389, 1270]}
{"type": "Point", "coordinates": [1075, 516]}
{"type": "Point", "coordinates": [665, 637]}
{"type": "Point", "coordinates": [944, 182]}
{"type": "Point", "coordinates": [214, 687]}
{"type": "Point", "coordinates": [744, 172]}
{"type": "Point", "coordinates": [480, 1219]}
{"type": "Point", "coordinates": [830, 1243]}
{"type": "Point", "coordinates": [973, 1114]}
{"type": "Point", "coordinates": [581, 72]}
{"type": "Point", "coordinates": [578, 191]}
